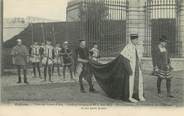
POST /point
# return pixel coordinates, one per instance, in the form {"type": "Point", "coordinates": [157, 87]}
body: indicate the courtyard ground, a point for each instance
{"type": "Point", "coordinates": [67, 92]}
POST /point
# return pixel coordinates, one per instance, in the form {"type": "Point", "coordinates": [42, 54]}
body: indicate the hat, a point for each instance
{"type": "Point", "coordinates": [133, 36]}
{"type": "Point", "coordinates": [81, 40]}
{"type": "Point", "coordinates": [163, 38]}
{"type": "Point", "coordinates": [66, 42]}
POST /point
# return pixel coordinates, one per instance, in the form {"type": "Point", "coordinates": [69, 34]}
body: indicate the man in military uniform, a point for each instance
{"type": "Point", "coordinates": [20, 56]}
{"type": "Point", "coordinates": [35, 58]}
{"type": "Point", "coordinates": [48, 56]}
{"type": "Point", "coordinates": [66, 52]}
{"type": "Point", "coordinates": [57, 59]}
{"type": "Point", "coordinates": [86, 73]}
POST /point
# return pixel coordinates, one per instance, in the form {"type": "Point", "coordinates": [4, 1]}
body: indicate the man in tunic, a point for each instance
{"type": "Point", "coordinates": [135, 79]}
{"type": "Point", "coordinates": [57, 59]}
{"type": "Point", "coordinates": [20, 56]}
{"type": "Point", "coordinates": [48, 56]}
{"type": "Point", "coordinates": [35, 57]}
{"type": "Point", "coordinates": [86, 73]}
{"type": "Point", "coordinates": [42, 46]}
{"type": "Point", "coordinates": [164, 67]}
{"type": "Point", "coordinates": [66, 52]}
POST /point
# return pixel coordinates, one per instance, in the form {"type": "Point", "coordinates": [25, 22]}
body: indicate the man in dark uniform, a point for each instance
{"type": "Point", "coordinates": [86, 73]}
{"type": "Point", "coordinates": [34, 53]}
{"type": "Point", "coordinates": [20, 56]}
{"type": "Point", "coordinates": [164, 67]}
{"type": "Point", "coordinates": [66, 52]}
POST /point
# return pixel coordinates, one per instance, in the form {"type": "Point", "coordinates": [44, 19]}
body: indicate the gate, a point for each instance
{"type": "Point", "coordinates": [109, 30]}
{"type": "Point", "coordinates": [162, 18]}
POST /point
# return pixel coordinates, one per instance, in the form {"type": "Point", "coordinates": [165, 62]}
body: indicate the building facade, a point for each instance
{"type": "Point", "coordinates": [148, 18]}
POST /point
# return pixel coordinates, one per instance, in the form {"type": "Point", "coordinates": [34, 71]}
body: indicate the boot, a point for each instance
{"type": "Point", "coordinates": [25, 77]}
{"type": "Point", "coordinates": [82, 88]}
{"type": "Point", "coordinates": [168, 85]}
{"type": "Point", "coordinates": [19, 79]}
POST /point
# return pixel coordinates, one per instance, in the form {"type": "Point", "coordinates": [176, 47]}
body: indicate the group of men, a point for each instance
{"type": "Point", "coordinates": [49, 57]}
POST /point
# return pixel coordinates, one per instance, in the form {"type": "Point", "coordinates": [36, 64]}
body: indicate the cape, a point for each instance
{"type": "Point", "coordinates": [113, 77]}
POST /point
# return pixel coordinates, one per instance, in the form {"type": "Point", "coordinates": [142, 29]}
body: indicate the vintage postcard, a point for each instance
{"type": "Point", "coordinates": [92, 53]}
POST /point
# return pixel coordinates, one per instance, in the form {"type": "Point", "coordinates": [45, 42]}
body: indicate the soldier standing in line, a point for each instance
{"type": "Point", "coordinates": [48, 56]}
{"type": "Point", "coordinates": [66, 52]}
{"type": "Point", "coordinates": [42, 46]}
{"type": "Point", "coordinates": [35, 57]}
{"type": "Point", "coordinates": [57, 59]}
{"type": "Point", "coordinates": [20, 58]}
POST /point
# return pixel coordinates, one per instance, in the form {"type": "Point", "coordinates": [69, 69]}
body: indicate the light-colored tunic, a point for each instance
{"type": "Point", "coordinates": [58, 58]}
{"type": "Point", "coordinates": [35, 54]}
{"type": "Point", "coordinates": [95, 54]}
{"type": "Point", "coordinates": [48, 55]}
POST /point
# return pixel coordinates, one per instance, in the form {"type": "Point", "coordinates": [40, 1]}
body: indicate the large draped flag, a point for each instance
{"type": "Point", "coordinates": [113, 77]}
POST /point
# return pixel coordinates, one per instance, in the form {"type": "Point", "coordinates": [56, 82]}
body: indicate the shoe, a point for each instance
{"type": "Point", "coordinates": [133, 100]}
{"type": "Point", "coordinates": [92, 91]}
{"type": "Point", "coordinates": [160, 95]}
{"type": "Point", "coordinates": [50, 81]}
{"type": "Point", "coordinates": [26, 82]}
{"type": "Point", "coordinates": [171, 96]}
{"type": "Point", "coordinates": [142, 99]}
{"type": "Point", "coordinates": [19, 82]}
{"type": "Point", "coordinates": [83, 91]}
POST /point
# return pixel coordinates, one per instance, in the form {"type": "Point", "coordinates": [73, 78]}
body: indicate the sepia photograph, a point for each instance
{"type": "Point", "coordinates": [92, 52]}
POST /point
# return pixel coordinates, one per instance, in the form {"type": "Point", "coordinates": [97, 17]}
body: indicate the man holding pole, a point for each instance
{"type": "Point", "coordinates": [48, 56]}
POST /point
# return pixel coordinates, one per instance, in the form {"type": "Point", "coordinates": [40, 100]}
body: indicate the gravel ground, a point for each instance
{"type": "Point", "coordinates": [67, 92]}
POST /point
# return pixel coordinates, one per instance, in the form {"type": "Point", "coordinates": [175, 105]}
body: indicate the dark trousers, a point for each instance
{"type": "Point", "coordinates": [168, 85]}
{"type": "Point", "coordinates": [58, 69]}
{"type": "Point", "coordinates": [36, 65]}
{"type": "Point", "coordinates": [70, 69]}
{"type": "Point", "coordinates": [87, 74]}
{"type": "Point", "coordinates": [47, 68]}
{"type": "Point", "coordinates": [19, 67]}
